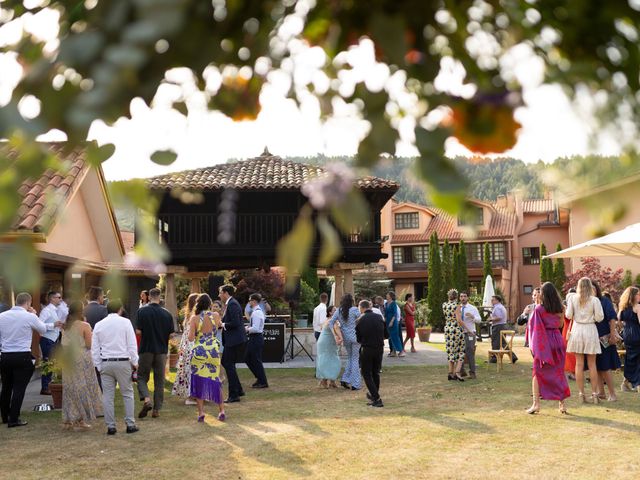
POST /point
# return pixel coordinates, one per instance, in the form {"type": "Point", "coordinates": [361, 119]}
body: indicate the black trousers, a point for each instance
{"type": "Point", "coordinates": [253, 357]}
{"type": "Point", "coordinates": [15, 370]}
{"type": "Point", "coordinates": [370, 365]}
{"type": "Point", "coordinates": [229, 358]}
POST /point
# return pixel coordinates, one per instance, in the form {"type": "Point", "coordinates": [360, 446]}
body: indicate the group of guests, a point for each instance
{"type": "Point", "coordinates": [214, 332]}
{"type": "Point", "coordinates": [99, 349]}
{"type": "Point", "coordinates": [461, 318]}
{"type": "Point", "coordinates": [580, 335]}
{"type": "Point", "coordinates": [353, 327]}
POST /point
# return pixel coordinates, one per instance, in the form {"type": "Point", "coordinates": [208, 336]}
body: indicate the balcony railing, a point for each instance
{"type": "Point", "coordinates": [412, 267]}
{"type": "Point", "coordinates": [196, 229]}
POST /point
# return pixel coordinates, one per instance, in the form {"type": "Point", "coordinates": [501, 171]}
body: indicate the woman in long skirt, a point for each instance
{"type": "Point", "coordinates": [393, 325]}
{"type": "Point", "coordinates": [205, 358]}
{"type": "Point", "coordinates": [347, 315]}
{"type": "Point", "coordinates": [328, 362]}
{"type": "Point", "coordinates": [182, 384]}
{"type": "Point", "coordinates": [629, 310]}
{"type": "Point", "coordinates": [609, 360]}
{"type": "Point", "coordinates": [548, 350]}
{"type": "Point", "coordinates": [81, 397]}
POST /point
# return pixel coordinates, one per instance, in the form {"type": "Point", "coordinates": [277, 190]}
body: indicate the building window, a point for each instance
{"type": "Point", "coordinates": [531, 256]}
{"type": "Point", "coordinates": [398, 255]}
{"type": "Point", "coordinates": [498, 253]}
{"type": "Point", "coordinates": [474, 252]}
{"type": "Point", "coordinates": [527, 289]}
{"type": "Point", "coordinates": [420, 254]}
{"type": "Point", "coordinates": [405, 221]}
{"type": "Point", "coordinates": [475, 216]}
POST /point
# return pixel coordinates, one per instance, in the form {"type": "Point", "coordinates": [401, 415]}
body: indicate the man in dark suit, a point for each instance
{"type": "Point", "coordinates": [95, 310]}
{"type": "Point", "coordinates": [371, 332]}
{"type": "Point", "coordinates": [233, 337]}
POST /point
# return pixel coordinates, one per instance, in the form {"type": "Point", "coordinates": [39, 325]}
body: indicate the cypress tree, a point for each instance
{"type": "Point", "coordinates": [462, 262]}
{"type": "Point", "coordinates": [559, 274]}
{"type": "Point", "coordinates": [486, 268]}
{"type": "Point", "coordinates": [434, 294]}
{"type": "Point", "coordinates": [627, 280]}
{"type": "Point", "coordinates": [455, 269]}
{"type": "Point", "coordinates": [447, 269]}
{"type": "Point", "coordinates": [637, 280]}
{"type": "Point", "coordinates": [546, 265]}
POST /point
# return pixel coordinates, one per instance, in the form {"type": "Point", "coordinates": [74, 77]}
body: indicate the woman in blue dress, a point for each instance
{"type": "Point", "coordinates": [609, 359]}
{"type": "Point", "coordinates": [628, 311]}
{"type": "Point", "coordinates": [393, 325]}
{"type": "Point", "coordinates": [347, 314]}
{"type": "Point", "coordinates": [328, 362]}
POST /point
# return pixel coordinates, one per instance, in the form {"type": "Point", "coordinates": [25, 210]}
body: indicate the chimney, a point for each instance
{"type": "Point", "coordinates": [547, 194]}
{"type": "Point", "coordinates": [501, 201]}
{"type": "Point", "coordinates": [511, 201]}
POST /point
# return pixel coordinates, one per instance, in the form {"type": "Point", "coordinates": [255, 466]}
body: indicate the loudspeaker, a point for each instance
{"type": "Point", "coordinates": [293, 295]}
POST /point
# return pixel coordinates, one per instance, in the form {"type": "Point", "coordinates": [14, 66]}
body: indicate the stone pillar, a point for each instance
{"type": "Point", "coordinates": [339, 286]}
{"type": "Point", "coordinates": [348, 281]}
{"type": "Point", "coordinates": [170, 297]}
{"type": "Point", "coordinates": [195, 285]}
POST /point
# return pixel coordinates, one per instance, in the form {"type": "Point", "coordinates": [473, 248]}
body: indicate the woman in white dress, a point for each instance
{"type": "Point", "coordinates": [585, 310]}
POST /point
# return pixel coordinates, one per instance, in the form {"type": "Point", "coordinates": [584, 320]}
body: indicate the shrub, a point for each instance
{"type": "Point", "coordinates": [609, 280]}
{"type": "Point", "coordinates": [422, 313]}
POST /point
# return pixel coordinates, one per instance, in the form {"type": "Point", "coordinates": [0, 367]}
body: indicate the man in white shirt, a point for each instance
{"type": "Point", "coordinates": [470, 317]}
{"type": "Point", "coordinates": [16, 362]}
{"type": "Point", "coordinates": [255, 345]}
{"type": "Point", "coordinates": [49, 316]}
{"type": "Point", "coordinates": [115, 355]}
{"type": "Point", "coordinates": [320, 315]}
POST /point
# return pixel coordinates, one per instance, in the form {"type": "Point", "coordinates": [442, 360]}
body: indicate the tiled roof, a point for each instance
{"type": "Point", "coordinates": [502, 225]}
{"type": "Point", "coordinates": [266, 172]}
{"type": "Point", "coordinates": [538, 206]}
{"type": "Point", "coordinates": [43, 198]}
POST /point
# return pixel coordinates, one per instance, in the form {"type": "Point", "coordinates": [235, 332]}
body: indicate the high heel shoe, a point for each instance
{"type": "Point", "coordinates": [533, 410]}
{"type": "Point", "coordinates": [595, 398]}
{"type": "Point", "coordinates": [458, 377]}
{"type": "Point", "coordinates": [451, 377]}
{"type": "Point", "coordinates": [562, 408]}
{"type": "Point", "coordinates": [201, 419]}
{"type": "Point", "coordinates": [583, 398]}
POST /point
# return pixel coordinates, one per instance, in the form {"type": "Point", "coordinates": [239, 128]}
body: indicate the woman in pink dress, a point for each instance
{"type": "Point", "coordinates": [409, 320]}
{"type": "Point", "coordinates": [548, 350]}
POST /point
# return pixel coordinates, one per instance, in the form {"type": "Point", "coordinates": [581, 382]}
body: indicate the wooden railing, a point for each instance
{"type": "Point", "coordinates": [197, 229]}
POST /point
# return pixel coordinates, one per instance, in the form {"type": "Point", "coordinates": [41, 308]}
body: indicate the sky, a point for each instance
{"type": "Point", "coordinates": [551, 125]}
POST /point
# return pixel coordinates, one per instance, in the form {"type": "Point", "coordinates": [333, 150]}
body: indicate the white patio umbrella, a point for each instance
{"type": "Point", "coordinates": [623, 243]}
{"type": "Point", "coordinates": [332, 297]}
{"type": "Point", "coordinates": [488, 291]}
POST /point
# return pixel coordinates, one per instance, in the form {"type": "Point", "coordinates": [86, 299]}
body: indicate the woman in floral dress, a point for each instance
{"type": "Point", "coordinates": [81, 397]}
{"type": "Point", "coordinates": [182, 383]}
{"type": "Point", "coordinates": [453, 335]}
{"type": "Point", "coordinates": [205, 357]}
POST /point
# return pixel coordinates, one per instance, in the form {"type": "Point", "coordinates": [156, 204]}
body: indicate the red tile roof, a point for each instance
{"type": "Point", "coordinates": [266, 172]}
{"type": "Point", "coordinates": [538, 206]}
{"type": "Point", "coordinates": [128, 240]}
{"type": "Point", "coordinates": [43, 198]}
{"type": "Point", "coordinates": [502, 225]}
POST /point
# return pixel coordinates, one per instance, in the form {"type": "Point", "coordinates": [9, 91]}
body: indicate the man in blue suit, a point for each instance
{"type": "Point", "coordinates": [233, 337]}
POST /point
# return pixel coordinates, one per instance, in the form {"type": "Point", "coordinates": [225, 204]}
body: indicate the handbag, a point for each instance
{"type": "Point", "coordinates": [604, 341]}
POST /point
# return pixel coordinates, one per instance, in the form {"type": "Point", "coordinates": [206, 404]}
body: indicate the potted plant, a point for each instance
{"type": "Point", "coordinates": [422, 320]}
{"type": "Point", "coordinates": [174, 350]}
{"type": "Point", "coordinates": [53, 367]}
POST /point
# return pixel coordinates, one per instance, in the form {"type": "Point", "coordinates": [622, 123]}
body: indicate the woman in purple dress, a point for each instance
{"type": "Point", "coordinates": [548, 350]}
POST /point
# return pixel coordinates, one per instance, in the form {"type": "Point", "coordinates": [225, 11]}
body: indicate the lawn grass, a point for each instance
{"type": "Point", "coordinates": [429, 428]}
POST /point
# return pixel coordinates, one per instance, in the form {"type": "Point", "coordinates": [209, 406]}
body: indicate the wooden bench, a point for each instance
{"type": "Point", "coordinates": [506, 345]}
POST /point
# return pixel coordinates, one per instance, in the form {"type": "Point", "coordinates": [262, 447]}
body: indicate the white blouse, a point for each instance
{"type": "Point", "coordinates": [590, 312]}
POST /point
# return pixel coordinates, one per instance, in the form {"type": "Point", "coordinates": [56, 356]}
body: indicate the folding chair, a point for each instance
{"type": "Point", "coordinates": [506, 347]}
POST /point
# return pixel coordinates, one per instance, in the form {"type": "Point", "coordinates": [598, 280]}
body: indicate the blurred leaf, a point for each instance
{"type": "Point", "coordinates": [331, 245]}
{"type": "Point", "coordinates": [95, 154]}
{"type": "Point", "coordinates": [19, 263]}
{"type": "Point", "coordinates": [164, 157]}
{"type": "Point", "coordinates": [449, 187]}
{"type": "Point", "coordinates": [239, 98]}
{"type": "Point", "coordinates": [352, 213]}
{"type": "Point", "coordinates": [294, 249]}
{"type": "Point", "coordinates": [381, 139]}
{"type": "Point", "coordinates": [114, 285]}
{"type": "Point", "coordinates": [388, 33]}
